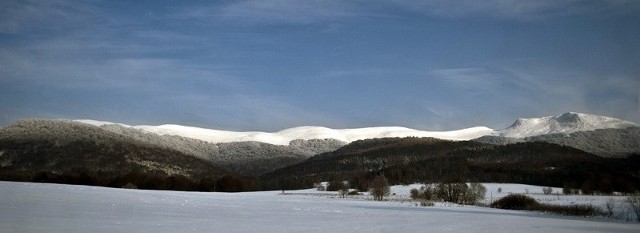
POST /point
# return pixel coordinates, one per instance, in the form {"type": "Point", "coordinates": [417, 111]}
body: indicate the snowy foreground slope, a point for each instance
{"type": "Point", "coordinates": [29, 207]}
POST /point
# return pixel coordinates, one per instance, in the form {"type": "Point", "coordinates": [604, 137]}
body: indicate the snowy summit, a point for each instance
{"type": "Point", "coordinates": [566, 123]}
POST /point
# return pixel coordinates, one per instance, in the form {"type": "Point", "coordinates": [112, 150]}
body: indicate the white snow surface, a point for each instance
{"type": "Point", "coordinates": [283, 137]}
{"type": "Point", "coordinates": [565, 123]}
{"type": "Point", "coordinates": [32, 207]}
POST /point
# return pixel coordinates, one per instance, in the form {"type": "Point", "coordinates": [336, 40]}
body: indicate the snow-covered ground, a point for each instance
{"type": "Point", "coordinates": [496, 191]}
{"type": "Point", "coordinates": [30, 207]}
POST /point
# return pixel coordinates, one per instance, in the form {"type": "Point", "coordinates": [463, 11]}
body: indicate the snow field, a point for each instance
{"type": "Point", "coordinates": [30, 207]}
{"type": "Point", "coordinates": [620, 210]}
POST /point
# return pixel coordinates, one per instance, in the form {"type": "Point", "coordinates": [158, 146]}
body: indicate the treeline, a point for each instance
{"type": "Point", "coordinates": [139, 180]}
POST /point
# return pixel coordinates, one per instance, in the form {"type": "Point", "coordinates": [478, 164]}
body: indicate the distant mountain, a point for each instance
{"type": "Point", "coordinates": [600, 135]}
{"type": "Point", "coordinates": [524, 127]}
{"type": "Point", "coordinates": [564, 124]}
{"type": "Point", "coordinates": [156, 156]}
{"type": "Point", "coordinates": [284, 137]}
{"type": "Point", "coordinates": [580, 130]}
{"type": "Point", "coordinates": [604, 142]}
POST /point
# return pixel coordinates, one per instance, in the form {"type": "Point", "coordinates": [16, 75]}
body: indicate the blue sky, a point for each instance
{"type": "Point", "coordinates": [272, 64]}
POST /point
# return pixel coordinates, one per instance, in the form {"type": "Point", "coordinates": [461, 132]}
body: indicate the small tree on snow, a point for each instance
{"type": "Point", "coordinates": [475, 193]}
{"type": "Point", "coordinates": [335, 185]}
{"type": "Point", "coordinates": [379, 188]}
{"type": "Point", "coordinates": [344, 190]}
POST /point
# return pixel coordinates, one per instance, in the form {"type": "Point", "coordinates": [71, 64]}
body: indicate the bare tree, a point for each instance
{"type": "Point", "coordinates": [610, 205]}
{"type": "Point", "coordinates": [344, 190]}
{"type": "Point", "coordinates": [379, 188]}
{"type": "Point", "coordinates": [634, 204]}
{"type": "Point", "coordinates": [426, 193]}
{"type": "Point", "coordinates": [460, 192]}
{"type": "Point", "coordinates": [475, 192]}
{"type": "Point", "coordinates": [335, 185]}
{"type": "Point", "coordinates": [452, 192]}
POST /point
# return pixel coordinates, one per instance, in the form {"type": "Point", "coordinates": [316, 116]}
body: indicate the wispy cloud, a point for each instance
{"type": "Point", "coordinates": [469, 78]}
{"type": "Point", "coordinates": [539, 90]}
{"type": "Point", "coordinates": [25, 16]}
{"type": "Point", "coordinates": [267, 64]}
{"type": "Point", "coordinates": [305, 12]}
{"type": "Point", "coordinates": [274, 11]}
{"type": "Point", "coordinates": [519, 9]}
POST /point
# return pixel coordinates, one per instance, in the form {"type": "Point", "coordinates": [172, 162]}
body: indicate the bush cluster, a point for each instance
{"type": "Point", "coordinates": [379, 188]}
{"type": "Point", "coordinates": [524, 202]}
{"type": "Point", "coordinates": [459, 193]}
{"type": "Point", "coordinates": [516, 202]}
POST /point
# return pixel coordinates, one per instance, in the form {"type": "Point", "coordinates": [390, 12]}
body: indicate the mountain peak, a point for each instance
{"type": "Point", "coordinates": [565, 123]}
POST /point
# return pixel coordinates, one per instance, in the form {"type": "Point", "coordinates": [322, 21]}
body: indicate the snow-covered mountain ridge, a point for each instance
{"type": "Point", "coordinates": [284, 137]}
{"type": "Point", "coordinates": [525, 127]}
{"type": "Point", "coordinates": [566, 123]}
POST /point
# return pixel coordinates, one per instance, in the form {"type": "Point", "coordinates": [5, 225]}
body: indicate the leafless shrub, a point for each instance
{"type": "Point", "coordinates": [610, 205]}
{"type": "Point", "coordinates": [379, 188]}
{"type": "Point", "coordinates": [634, 204]}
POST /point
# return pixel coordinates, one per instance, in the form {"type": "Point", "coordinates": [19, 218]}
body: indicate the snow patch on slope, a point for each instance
{"type": "Point", "coordinates": [99, 123]}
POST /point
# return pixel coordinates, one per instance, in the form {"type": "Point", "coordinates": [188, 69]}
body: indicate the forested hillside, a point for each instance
{"type": "Point", "coordinates": [239, 158]}
{"type": "Point", "coordinates": [618, 143]}
{"type": "Point", "coordinates": [65, 152]}
{"type": "Point", "coordinates": [407, 160]}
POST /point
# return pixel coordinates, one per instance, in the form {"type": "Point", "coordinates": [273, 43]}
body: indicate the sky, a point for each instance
{"type": "Point", "coordinates": [268, 65]}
